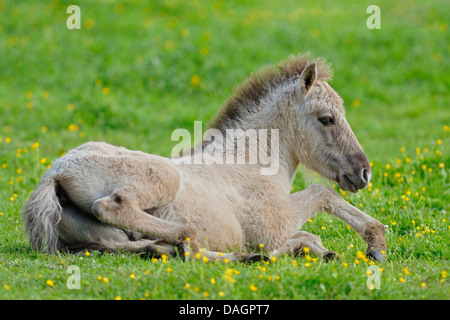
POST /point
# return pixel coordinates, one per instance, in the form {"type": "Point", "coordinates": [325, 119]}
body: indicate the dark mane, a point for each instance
{"type": "Point", "coordinates": [247, 96]}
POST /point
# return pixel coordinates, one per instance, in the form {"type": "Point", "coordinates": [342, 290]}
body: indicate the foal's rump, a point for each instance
{"type": "Point", "coordinates": [58, 215]}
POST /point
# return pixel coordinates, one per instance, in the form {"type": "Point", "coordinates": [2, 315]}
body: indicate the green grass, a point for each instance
{"type": "Point", "coordinates": [394, 82]}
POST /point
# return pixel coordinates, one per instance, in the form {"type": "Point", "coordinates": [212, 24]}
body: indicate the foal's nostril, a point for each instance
{"type": "Point", "coordinates": [364, 176]}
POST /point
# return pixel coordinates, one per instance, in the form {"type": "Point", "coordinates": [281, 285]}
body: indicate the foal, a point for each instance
{"type": "Point", "coordinates": [104, 197]}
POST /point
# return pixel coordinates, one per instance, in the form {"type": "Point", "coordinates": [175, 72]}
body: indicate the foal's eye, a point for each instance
{"type": "Point", "coordinates": [326, 121]}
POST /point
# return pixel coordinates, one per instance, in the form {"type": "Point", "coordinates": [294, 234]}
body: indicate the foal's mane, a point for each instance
{"type": "Point", "coordinates": [246, 98]}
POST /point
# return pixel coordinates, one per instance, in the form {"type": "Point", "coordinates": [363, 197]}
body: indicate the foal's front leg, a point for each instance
{"type": "Point", "coordinates": [318, 198]}
{"type": "Point", "coordinates": [297, 244]}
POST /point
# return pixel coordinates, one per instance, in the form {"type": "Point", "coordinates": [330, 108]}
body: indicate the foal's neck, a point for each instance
{"type": "Point", "coordinates": [272, 115]}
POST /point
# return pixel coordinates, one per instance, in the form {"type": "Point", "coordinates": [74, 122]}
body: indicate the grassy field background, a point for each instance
{"type": "Point", "coordinates": [137, 70]}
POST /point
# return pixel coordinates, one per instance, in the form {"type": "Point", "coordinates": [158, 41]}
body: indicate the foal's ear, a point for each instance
{"type": "Point", "coordinates": [308, 78]}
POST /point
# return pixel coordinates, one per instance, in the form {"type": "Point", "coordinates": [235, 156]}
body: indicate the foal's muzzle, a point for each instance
{"type": "Point", "coordinates": [355, 174]}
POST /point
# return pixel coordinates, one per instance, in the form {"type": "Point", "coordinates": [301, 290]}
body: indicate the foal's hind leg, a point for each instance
{"type": "Point", "coordinates": [128, 216]}
{"type": "Point", "coordinates": [79, 232]}
{"type": "Point", "coordinates": [156, 187]}
{"type": "Point", "coordinates": [317, 198]}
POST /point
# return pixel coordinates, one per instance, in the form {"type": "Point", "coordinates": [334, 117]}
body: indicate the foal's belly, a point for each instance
{"type": "Point", "coordinates": [212, 217]}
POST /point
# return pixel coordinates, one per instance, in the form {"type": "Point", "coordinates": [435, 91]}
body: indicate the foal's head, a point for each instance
{"type": "Point", "coordinates": [327, 143]}
{"type": "Point", "coordinates": [295, 98]}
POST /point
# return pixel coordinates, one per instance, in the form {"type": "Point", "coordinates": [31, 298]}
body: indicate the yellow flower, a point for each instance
{"type": "Point", "coordinates": [169, 270]}
{"type": "Point", "coordinates": [261, 245]}
{"type": "Point", "coordinates": [388, 166]}
{"type": "Point", "coordinates": [204, 51]}
{"type": "Point", "coordinates": [50, 283]}
{"type": "Point", "coordinates": [117, 298]}
{"type": "Point", "coordinates": [294, 263]}
{"type": "Point", "coordinates": [356, 102]}
{"type": "Point", "coordinates": [345, 264]}
{"type": "Point", "coordinates": [70, 107]}
{"type": "Point", "coordinates": [89, 23]}
{"type": "Point", "coordinates": [253, 287]}
{"type": "Point", "coordinates": [213, 281]}
{"type": "Point", "coordinates": [184, 33]}
{"type": "Point", "coordinates": [221, 294]}
{"type": "Point", "coordinates": [402, 280]}
{"type": "Point", "coordinates": [6, 287]}
{"type": "Point", "coordinates": [132, 276]}
{"type": "Point", "coordinates": [206, 294]}
{"type": "Point", "coordinates": [105, 280]}
{"type": "Point", "coordinates": [441, 165]}
{"type": "Point", "coordinates": [307, 264]}
{"type": "Point", "coordinates": [187, 286]}
{"type": "Point", "coordinates": [73, 127]}
{"type": "Point", "coordinates": [195, 80]}
{"type": "Point", "coordinates": [405, 271]}
{"type": "Point", "coordinates": [105, 90]}
{"type": "Point", "coordinates": [360, 255]}
{"type": "Point", "coordinates": [87, 253]}
{"type": "Point", "coordinates": [305, 249]}
{"type": "Point", "coordinates": [438, 141]}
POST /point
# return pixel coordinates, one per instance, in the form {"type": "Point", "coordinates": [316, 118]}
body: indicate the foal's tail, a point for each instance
{"type": "Point", "coordinates": [41, 214]}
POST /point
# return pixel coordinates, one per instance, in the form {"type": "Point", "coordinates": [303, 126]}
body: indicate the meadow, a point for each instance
{"type": "Point", "coordinates": [138, 70]}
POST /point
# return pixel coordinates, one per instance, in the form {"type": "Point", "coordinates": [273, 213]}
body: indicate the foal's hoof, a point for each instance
{"type": "Point", "coordinates": [330, 255]}
{"type": "Point", "coordinates": [251, 258]}
{"type": "Point", "coordinates": [376, 255]}
{"type": "Point", "coordinates": [183, 250]}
